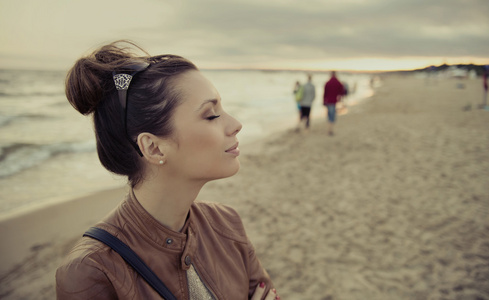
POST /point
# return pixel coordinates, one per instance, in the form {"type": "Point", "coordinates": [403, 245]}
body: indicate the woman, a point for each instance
{"type": "Point", "coordinates": [160, 122]}
{"type": "Point", "coordinates": [298, 93]}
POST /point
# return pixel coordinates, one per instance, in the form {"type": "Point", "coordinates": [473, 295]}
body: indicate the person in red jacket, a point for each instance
{"type": "Point", "coordinates": [333, 90]}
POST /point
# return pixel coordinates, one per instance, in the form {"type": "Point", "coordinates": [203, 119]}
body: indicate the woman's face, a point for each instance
{"type": "Point", "coordinates": [204, 135]}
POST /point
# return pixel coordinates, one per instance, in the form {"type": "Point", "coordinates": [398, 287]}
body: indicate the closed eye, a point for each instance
{"type": "Point", "coordinates": [213, 117]}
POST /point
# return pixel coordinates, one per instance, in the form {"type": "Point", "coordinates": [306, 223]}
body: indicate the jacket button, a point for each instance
{"type": "Point", "coordinates": [188, 261]}
{"type": "Point", "coordinates": [169, 241]}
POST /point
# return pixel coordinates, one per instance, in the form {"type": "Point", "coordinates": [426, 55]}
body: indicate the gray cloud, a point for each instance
{"type": "Point", "coordinates": [249, 32]}
{"type": "Point", "coordinates": [350, 29]}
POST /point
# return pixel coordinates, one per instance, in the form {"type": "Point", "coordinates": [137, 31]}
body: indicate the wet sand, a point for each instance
{"type": "Point", "coordinates": [394, 206]}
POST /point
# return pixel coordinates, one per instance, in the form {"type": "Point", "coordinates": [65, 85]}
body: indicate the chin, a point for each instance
{"type": "Point", "coordinates": [232, 170]}
{"type": "Point", "coordinates": [238, 165]}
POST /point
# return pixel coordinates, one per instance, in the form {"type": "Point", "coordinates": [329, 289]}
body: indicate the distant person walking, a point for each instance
{"type": "Point", "coordinates": [308, 96]}
{"type": "Point", "coordinates": [333, 90]}
{"type": "Point", "coordinates": [298, 93]}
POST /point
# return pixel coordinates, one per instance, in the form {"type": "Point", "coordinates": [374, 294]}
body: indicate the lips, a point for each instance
{"type": "Point", "coordinates": [234, 149]}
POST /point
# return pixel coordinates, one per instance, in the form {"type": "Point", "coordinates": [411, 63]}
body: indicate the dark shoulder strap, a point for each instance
{"type": "Point", "coordinates": [132, 259]}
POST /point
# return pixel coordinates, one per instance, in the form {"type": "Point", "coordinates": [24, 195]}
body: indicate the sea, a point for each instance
{"type": "Point", "coordinates": [47, 149]}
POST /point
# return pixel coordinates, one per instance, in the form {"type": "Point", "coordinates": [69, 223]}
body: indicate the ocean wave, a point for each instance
{"type": "Point", "coordinates": [15, 94]}
{"type": "Point", "coordinates": [17, 157]}
{"type": "Point", "coordinates": [5, 120]}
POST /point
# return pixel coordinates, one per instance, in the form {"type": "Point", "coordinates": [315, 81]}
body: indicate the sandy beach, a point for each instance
{"type": "Point", "coordinates": [394, 206]}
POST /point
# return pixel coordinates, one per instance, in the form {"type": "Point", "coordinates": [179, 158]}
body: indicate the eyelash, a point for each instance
{"type": "Point", "coordinates": [213, 117]}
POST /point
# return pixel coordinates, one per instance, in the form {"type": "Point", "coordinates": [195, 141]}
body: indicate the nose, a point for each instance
{"type": "Point", "coordinates": [234, 126]}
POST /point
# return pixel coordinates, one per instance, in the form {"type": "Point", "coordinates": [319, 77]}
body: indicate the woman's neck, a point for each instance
{"type": "Point", "coordinates": [167, 201]}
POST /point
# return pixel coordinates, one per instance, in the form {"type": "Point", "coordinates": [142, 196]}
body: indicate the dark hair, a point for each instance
{"type": "Point", "coordinates": [152, 99]}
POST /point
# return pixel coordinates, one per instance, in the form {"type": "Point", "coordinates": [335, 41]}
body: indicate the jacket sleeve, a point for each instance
{"type": "Point", "coordinates": [78, 280]}
{"type": "Point", "coordinates": [228, 223]}
{"type": "Point", "coordinates": [257, 272]}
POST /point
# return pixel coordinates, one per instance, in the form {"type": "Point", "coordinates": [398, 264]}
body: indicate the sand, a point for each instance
{"type": "Point", "coordinates": [395, 205]}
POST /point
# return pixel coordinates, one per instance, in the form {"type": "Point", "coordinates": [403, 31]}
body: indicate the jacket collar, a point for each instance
{"type": "Point", "coordinates": [150, 228]}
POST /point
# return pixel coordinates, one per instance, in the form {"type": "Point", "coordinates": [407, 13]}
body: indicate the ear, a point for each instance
{"type": "Point", "coordinates": [152, 147]}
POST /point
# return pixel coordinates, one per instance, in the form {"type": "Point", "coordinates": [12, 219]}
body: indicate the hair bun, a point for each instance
{"type": "Point", "coordinates": [89, 81]}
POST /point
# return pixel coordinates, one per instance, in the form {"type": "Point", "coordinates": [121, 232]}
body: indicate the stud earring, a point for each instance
{"type": "Point", "coordinates": [161, 162]}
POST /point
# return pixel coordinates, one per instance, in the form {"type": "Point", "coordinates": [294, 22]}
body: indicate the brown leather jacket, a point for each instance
{"type": "Point", "coordinates": [214, 242]}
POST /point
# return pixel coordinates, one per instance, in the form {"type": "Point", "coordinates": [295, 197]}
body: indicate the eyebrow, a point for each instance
{"type": "Point", "coordinates": [214, 101]}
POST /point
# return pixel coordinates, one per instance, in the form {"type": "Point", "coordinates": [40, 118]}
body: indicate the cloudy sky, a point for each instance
{"type": "Point", "coordinates": [278, 34]}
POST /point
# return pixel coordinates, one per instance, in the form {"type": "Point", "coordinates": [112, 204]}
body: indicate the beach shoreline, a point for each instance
{"type": "Point", "coordinates": [394, 206]}
{"type": "Point", "coordinates": [47, 147]}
